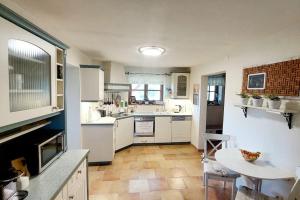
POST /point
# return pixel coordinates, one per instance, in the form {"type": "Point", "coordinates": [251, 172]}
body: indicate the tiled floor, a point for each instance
{"type": "Point", "coordinates": [167, 172]}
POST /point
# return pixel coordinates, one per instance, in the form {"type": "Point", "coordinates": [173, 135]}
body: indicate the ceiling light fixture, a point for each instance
{"type": "Point", "coordinates": [151, 50]}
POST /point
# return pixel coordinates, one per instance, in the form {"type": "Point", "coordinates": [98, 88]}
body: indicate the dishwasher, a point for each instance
{"type": "Point", "coordinates": [181, 128]}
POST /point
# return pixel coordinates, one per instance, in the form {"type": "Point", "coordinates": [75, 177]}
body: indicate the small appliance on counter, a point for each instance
{"type": "Point", "coordinates": [102, 112]}
{"type": "Point", "coordinates": [177, 108]}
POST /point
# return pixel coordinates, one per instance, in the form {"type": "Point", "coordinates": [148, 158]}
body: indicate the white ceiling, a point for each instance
{"type": "Point", "coordinates": [193, 31]}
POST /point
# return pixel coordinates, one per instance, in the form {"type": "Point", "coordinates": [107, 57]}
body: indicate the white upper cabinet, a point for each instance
{"type": "Point", "coordinates": [92, 83]}
{"type": "Point", "coordinates": [163, 129]}
{"type": "Point", "coordinates": [180, 85]}
{"type": "Point", "coordinates": [28, 75]}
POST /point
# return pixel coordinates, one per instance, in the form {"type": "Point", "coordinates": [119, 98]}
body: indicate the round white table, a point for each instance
{"type": "Point", "coordinates": [258, 170]}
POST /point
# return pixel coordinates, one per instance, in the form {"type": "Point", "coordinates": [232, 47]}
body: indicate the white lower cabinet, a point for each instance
{"type": "Point", "coordinates": [99, 139]}
{"type": "Point", "coordinates": [163, 132]}
{"type": "Point", "coordinates": [181, 130]}
{"type": "Point", "coordinates": [76, 187]}
{"type": "Point", "coordinates": [124, 132]}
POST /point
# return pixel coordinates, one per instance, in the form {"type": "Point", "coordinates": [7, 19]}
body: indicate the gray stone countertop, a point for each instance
{"type": "Point", "coordinates": [50, 182]}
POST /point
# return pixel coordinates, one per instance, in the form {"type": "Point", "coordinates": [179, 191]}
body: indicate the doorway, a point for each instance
{"type": "Point", "coordinates": [215, 88]}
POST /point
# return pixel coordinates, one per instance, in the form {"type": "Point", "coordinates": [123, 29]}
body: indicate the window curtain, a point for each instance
{"type": "Point", "coordinates": [217, 80]}
{"type": "Point", "coordinates": [141, 78]}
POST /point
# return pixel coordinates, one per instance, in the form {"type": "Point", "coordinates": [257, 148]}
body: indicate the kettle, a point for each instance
{"type": "Point", "coordinates": [177, 108]}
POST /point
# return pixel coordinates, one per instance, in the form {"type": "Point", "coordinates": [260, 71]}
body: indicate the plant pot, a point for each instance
{"type": "Point", "coordinates": [257, 102]}
{"type": "Point", "coordinates": [244, 101]}
{"type": "Point", "coordinates": [274, 104]}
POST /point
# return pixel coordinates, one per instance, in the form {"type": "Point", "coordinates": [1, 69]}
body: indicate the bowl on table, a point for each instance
{"type": "Point", "coordinates": [250, 156]}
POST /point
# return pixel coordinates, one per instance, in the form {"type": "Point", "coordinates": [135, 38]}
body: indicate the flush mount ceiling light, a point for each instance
{"type": "Point", "coordinates": [151, 50]}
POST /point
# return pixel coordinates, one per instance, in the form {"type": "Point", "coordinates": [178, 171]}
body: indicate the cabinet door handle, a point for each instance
{"type": "Point", "coordinates": [79, 172]}
{"type": "Point", "coordinates": [71, 197]}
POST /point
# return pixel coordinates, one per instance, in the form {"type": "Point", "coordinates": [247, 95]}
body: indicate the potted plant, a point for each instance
{"type": "Point", "coordinates": [257, 100]}
{"type": "Point", "coordinates": [244, 98]}
{"type": "Point", "coordinates": [274, 101]}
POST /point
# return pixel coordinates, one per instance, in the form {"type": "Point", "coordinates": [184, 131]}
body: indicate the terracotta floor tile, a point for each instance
{"type": "Point", "coordinates": [100, 187]}
{"type": "Point", "coordinates": [193, 194]}
{"type": "Point", "coordinates": [155, 195]}
{"type": "Point", "coordinates": [171, 195]}
{"type": "Point", "coordinates": [176, 183]}
{"type": "Point", "coordinates": [158, 172]}
{"type": "Point", "coordinates": [146, 173]}
{"type": "Point", "coordinates": [162, 173]}
{"type": "Point", "coordinates": [138, 186]}
{"type": "Point", "coordinates": [104, 197]}
{"type": "Point", "coordinates": [129, 196]}
{"type": "Point", "coordinates": [127, 174]}
{"type": "Point", "coordinates": [151, 165]}
{"type": "Point", "coordinates": [111, 175]}
{"type": "Point", "coordinates": [193, 182]}
{"type": "Point", "coordinates": [178, 172]}
{"type": "Point", "coordinates": [119, 187]}
{"type": "Point", "coordinates": [158, 184]}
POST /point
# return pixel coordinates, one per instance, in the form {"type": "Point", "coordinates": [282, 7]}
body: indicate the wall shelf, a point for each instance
{"type": "Point", "coordinates": [286, 113]}
{"type": "Point", "coordinates": [24, 130]}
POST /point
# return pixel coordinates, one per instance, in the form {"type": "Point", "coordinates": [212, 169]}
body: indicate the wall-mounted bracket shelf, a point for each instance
{"type": "Point", "coordinates": [286, 113]}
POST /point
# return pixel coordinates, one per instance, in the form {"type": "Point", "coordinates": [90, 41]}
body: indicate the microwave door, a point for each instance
{"type": "Point", "coordinates": [50, 150]}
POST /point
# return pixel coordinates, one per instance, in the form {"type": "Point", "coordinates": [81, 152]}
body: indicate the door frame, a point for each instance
{"type": "Point", "coordinates": [203, 105]}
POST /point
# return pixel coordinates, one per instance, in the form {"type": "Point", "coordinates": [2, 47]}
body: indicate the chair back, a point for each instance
{"type": "Point", "coordinates": [295, 192]}
{"type": "Point", "coordinates": [211, 138]}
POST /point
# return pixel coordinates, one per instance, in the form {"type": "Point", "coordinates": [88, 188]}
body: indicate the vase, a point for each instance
{"type": "Point", "coordinates": [274, 104]}
{"type": "Point", "coordinates": [244, 101]}
{"type": "Point", "coordinates": [257, 102]}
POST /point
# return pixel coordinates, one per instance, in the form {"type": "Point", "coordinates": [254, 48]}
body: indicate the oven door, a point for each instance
{"type": "Point", "coordinates": [50, 150]}
{"type": "Point", "coordinates": [144, 126]}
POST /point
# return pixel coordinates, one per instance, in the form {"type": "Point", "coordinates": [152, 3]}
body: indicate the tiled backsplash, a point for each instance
{"type": "Point", "coordinates": [89, 109]}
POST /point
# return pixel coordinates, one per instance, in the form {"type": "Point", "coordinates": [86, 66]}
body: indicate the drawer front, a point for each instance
{"type": "Point", "coordinates": [142, 140]}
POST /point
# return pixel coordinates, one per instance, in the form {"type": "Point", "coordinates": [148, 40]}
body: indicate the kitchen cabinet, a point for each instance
{"type": "Point", "coordinates": [163, 133]}
{"type": "Point", "coordinates": [124, 132]}
{"type": "Point", "coordinates": [181, 129]}
{"type": "Point", "coordinates": [28, 75]}
{"type": "Point", "coordinates": [92, 83]}
{"type": "Point", "coordinates": [76, 187]}
{"type": "Point", "coordinates": [100, 140]}
{"type": "Point", "coordinates": [180, 85]}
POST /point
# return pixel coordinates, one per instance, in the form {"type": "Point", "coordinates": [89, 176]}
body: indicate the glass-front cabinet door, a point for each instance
{"type": "Point", "coordinates": [28, 75]}
{"type": "Point", "coordinates": [180, 85]}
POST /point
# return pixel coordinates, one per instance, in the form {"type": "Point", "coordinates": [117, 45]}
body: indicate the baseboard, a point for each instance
{"type": "Point", "coordinates": [100, 163]}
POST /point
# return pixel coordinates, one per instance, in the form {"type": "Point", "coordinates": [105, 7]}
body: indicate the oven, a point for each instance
{"type": "Point", "coordinates": [144, 126]}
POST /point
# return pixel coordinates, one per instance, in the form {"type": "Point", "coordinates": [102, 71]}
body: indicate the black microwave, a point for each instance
{"type": "Point", "coordinates": [44, 152]}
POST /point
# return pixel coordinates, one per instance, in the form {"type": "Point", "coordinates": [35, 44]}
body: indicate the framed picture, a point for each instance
{"type": "Point", "coordinates": [196, 94]}
{"type": "Point", "coordinates": [256, 81]}
{"type": "Point", "coordinates": [195, 99]}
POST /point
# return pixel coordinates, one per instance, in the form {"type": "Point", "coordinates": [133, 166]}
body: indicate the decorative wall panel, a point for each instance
{"type": "Point", "coordinates": [282, 78]}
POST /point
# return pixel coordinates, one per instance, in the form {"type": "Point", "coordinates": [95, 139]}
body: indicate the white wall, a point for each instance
{"type": "Point", "coordinates": [74, 59]}
{"type": "Point", "coordinates": [265, 132]}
